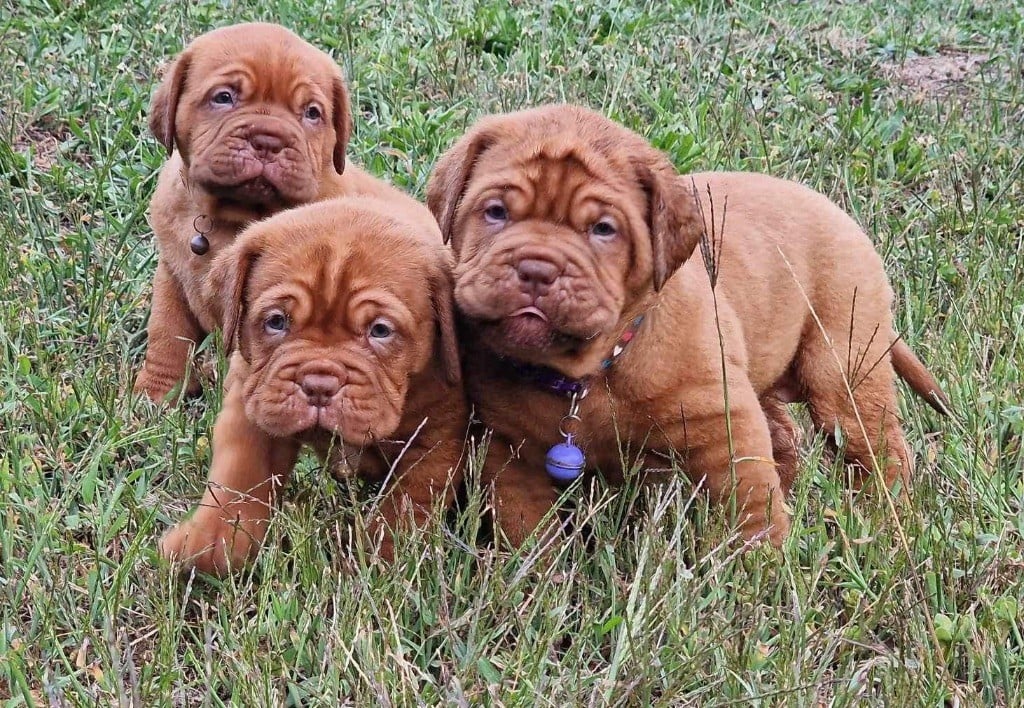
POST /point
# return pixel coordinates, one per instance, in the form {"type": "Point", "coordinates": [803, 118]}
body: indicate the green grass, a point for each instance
{"type": "Point", "coordinates": [646, 608]}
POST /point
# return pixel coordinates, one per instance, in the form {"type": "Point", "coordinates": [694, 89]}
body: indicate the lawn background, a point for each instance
{"type": "Point", "coordinates": [908, 114]}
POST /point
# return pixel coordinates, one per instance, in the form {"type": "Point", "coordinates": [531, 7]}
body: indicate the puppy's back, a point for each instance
{"type": "Point", "coordinates": [786, 227]}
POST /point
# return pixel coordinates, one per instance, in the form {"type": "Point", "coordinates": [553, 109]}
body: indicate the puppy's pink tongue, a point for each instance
{"type": "Point", "coordinates": [531, 310]}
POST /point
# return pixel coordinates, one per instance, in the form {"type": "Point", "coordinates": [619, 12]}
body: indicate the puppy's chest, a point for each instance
{"type": "Point", "coordinates": [614, 430]}
{"type": "Point", "coordinates": [368, 462]}
{"type": "Point", "coordinates": [608, 428]}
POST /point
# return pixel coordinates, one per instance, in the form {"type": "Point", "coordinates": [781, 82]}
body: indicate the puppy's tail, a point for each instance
{"type": "Point", "coordinates": [910, 369]}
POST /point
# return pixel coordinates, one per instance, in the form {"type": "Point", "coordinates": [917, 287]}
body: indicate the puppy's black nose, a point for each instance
{"type": "Point", "coordinates": [536, 274]}
{"type": "Point", "coordinates": [319, 388]}
{"type": "Point", "coordinates": [267, 142]}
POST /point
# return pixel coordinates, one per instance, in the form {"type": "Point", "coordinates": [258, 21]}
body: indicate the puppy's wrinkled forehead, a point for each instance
{"type": "Point", "coordinates": [250, 55]}
{"type": "Point", "coordinates": [552, 182]}
{"type": "Point", "coordinates": [555, 164]}
{"type": "Point", "coordinates": [324, 273]}
{"type": "Point", "coordinates": [320, 274]}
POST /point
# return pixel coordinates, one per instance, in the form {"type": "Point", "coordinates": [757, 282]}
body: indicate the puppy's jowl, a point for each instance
{"type": "Point", "coordinates": [579, 277]}
{"type": "Point", "coordinates": [341, 314]}
{"type": "Point", "coordinates": [256, 120]}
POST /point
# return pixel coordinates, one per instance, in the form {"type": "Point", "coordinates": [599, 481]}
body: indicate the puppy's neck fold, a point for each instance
{"type": "Point", "coordinates": [228, 212]}
{"type": "Point", "coordinates": [577, 372]}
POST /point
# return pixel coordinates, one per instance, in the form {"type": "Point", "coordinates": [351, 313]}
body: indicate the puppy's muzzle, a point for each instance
{"type": "Point", "coordinates": [266, 144]}
{"type": "Point", "coordinates": [320, 383]}
{"type": "Point", "coordinates": [536, 276]}
{"type": "Point", "coordinates": [320, 388]}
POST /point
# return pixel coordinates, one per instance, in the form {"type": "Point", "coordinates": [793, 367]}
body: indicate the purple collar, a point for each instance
{"type": "Point", "coordinates": [559, 384]}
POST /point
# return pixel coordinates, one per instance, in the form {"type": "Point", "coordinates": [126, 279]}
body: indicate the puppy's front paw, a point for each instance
{"type": "Point", "coordinates": [779, 530]}
{"type": "Point", "coordinates": [165, 389]}
{"type": "Point", "coordinates": [154, 388]}
{"type": "Point", "coordinates": [759, 527]}
{"type": "Point", "coordinates": [211, 545]}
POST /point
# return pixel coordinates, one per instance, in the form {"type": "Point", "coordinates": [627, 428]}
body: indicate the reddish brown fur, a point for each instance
{"type": "Point", "coordinates": [333, 269]}
{"type": "Point", "coordinates": [785, 251]}
{"type": "Point", "coordinates": [217, 175]}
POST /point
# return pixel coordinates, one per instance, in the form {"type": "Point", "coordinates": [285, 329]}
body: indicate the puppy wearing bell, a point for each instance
{"type": "Point", "coordinates": [586, 299]}
{"type": "Point", "coordinates": [255, 121]}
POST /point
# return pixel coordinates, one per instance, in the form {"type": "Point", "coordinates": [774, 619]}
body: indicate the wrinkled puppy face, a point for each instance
{"type": "Point", "coordinates": [257, 113]}
{"type": "Point", "coordinates": [545, 250]}
{"type": "Point", "coordinates": [562, 221]}
{"type": "Point", "coordinates": [336, 308]}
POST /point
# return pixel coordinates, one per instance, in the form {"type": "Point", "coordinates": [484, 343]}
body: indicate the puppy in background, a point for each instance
{"type": "Point", "coordinates": [591, 312]}
{"type": "Point", "coordinates": [256, 121]}
{"type": "Point", "coordinates": [342, 319]}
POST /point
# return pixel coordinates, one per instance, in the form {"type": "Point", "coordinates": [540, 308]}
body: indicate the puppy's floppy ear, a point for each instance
{"type": "Point", "coordinates": [342, 112]}
{"type": "Point", "coordinates": [673, 216]}
{"type": "Point", "coordinates": [442, 297]}
{"type": "Point", "coordinates": [448, 181]}
{"type": "Point", "coordinates": [226, 284]}
{"type": "Point", "coordinates": [164, 106]}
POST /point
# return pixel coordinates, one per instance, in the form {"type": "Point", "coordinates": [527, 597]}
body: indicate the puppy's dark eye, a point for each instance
{"type": "Point", "coordinates": [313, 113]}
{"type": "Point", "coordinates": [380, 329]}
{"type": "Point", "coordinates": [604, 229]}
{"type": "Point", "coordinates": [496, 213]}
{"type": "Point", "coordinates": [276, 323]}
{"type": "Point", "coordinates": [224, 97]}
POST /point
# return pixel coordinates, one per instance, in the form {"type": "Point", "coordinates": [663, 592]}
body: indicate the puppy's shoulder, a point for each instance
{"type": "Point", "coordinates": [763, 190]}
{"type": "Point", "coordinates": [357, 182]}
{"type": "Point", "coordinates": [171, 203]}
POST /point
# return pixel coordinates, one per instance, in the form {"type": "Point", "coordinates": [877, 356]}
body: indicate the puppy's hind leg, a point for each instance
{"type": "Point", "coordinates": [786, 439]}
{"type": "Point", "coordinates": [850, 388]}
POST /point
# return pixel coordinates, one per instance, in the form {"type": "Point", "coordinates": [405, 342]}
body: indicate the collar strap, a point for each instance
{"type": "Point", "coordinates": [547, 378]}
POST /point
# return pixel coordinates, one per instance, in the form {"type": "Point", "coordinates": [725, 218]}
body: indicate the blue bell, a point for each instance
{"type": "Point", "coordinates": [564, 461]}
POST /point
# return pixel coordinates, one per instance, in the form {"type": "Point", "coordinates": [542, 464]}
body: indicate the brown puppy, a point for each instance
{"type": "Point", "coordinates": [256, 121]}
{"type": "Point", "coordinates": [576, 270]}
{"type": "Point", "coordinates": [342, 316]}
